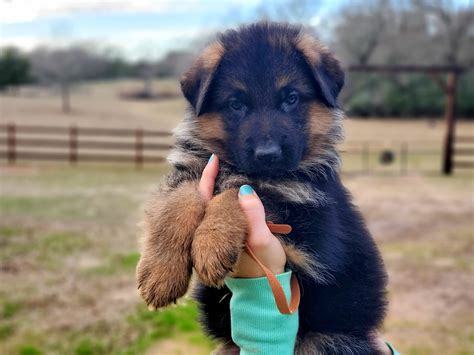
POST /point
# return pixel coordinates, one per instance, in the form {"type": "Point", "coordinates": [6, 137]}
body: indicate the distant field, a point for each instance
{"type": "Point", "coordinates": [99, 105]}
{"type": "Point", "coordinates": [68, 237]}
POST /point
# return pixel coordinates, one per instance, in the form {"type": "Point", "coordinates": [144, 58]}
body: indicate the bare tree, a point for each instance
{"type": "Point", "coordinates": [296, 11]}
{"type": "Point", "coordinates": [175, 63]}
{"type": "Point", "coordinates": [147, 71]}
{"type": "Point", "coordinates": [452, 29]}
{"type": "Point", "coordinates": [361, 29]}
{"type": "Point", "coordinates": [65, 67]}
{"type": "Point", "coordinates": [405, 32]}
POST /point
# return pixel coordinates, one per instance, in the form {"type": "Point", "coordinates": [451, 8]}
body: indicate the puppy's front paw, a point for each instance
{"type": "Point", "coordinates": [162, 282]}
{"type": "Point", "coordinates": [165, 267]}
{"type": "Point", "coordinates": [219, 239]}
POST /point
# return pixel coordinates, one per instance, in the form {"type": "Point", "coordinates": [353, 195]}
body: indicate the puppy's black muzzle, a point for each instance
{"type": "Point", "coordinates": [268, 153]}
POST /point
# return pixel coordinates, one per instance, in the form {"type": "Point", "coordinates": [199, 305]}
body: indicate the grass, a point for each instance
{"type": "Point", "coordinates": [68, 255]}
{"type": "Point", "coordinates": [68, 238]}
{"type": "Point", "coordinates": [178, 322]}
{"type": "Point", "coordinates": [116, 264]}
{"type": "Point", "coordinates": [70, 276]}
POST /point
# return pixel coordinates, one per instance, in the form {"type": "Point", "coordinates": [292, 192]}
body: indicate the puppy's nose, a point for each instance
{"type": "Point", "coordinates": [268, 153]}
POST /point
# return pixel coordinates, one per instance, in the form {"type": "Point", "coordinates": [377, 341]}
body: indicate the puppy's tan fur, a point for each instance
{"type": "Point", "coordinates": [219, 239]}
{"type": "Point", "coordinates": [165, 269]}
{"type": "Point", "coordinates": [210, 129]}
{"type": "Point", "coordinates": [320, 124]}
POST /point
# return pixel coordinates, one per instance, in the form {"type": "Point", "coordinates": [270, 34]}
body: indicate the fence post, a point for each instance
{"type": "Point", "coordinates": [73, 156]}
{"type": "Point", "coordinates": [450, 117]}
{"type": "Point", "coordinates": [139, 148]}
{"type": "Point", "coordinates": [11, 143]}
{"type": "Point", "coordinates": [366, 157]}
{"type": "Point", "coordinates": [403, 158]}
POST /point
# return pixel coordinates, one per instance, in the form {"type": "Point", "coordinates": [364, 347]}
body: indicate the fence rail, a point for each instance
{"type": "Point", "coordinates": [86, 144]}
{"type": "Point", "coordinates": [463, 149]}
{"type": "Point", "coordinates": [73, 144]}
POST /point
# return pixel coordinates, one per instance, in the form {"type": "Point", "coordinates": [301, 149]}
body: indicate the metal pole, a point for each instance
{"type": "Point", "coordinates": [450, 122]}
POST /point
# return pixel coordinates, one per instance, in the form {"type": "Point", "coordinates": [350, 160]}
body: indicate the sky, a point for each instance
{"type": "Point", "coordinates": [137, 28]}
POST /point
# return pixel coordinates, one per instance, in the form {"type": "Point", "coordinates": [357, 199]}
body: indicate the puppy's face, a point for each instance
{"type": "Point", "coordinates": [262, 96]}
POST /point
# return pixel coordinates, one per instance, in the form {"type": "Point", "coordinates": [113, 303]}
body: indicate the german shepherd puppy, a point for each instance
{"type": "Point", "coordinates": [264, 99]}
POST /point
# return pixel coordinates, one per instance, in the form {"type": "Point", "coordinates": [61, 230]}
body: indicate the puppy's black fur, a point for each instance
{"type": "Point", "coordinates": [271, 93]}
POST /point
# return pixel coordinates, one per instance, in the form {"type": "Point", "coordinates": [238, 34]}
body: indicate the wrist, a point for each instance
{"type": "Point", "coordinates": [248, 268]}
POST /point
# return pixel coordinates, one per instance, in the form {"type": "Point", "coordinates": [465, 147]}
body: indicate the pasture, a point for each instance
{"type": "Point", "coordinates": [69, 237]}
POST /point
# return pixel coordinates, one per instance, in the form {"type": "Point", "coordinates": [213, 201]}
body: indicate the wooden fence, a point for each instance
{"type": "Point", "coordinates": [75, 144]}
{"type": "Point", "coordinates": [81, 144]}
{"type": "Point", "coordinates": [463, 150]}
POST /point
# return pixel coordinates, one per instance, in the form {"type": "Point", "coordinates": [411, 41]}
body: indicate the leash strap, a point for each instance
{"type": "Point", "coordinates": [277, 290]}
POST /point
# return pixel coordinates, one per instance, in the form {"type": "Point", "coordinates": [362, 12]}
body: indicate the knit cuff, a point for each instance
{"type": "Point", "coordinates": [257, 325]}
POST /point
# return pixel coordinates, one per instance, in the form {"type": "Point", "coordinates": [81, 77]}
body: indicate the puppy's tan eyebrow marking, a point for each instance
{"type": "Point", "coordinates": [310, 47]}
{"type": "Point", "coordinates": [211, 55]}
{"type": "Point", "coordinates": [238, 85]}
{"type": "Point", "coordinates": [282, 81]}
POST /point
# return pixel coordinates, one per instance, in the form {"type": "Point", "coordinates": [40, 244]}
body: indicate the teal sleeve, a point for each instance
{"type": "Point", "coordinates": [394, 352]}
{"type": "Point", "coordinates": [256, 324]}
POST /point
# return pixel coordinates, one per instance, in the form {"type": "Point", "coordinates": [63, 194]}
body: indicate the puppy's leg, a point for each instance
{"type": "Point", "coordinates": [227, 349]}
{"type": "Point", "coordinates": [219, 239]}
{"type": "Point", "coordinates": [306, 263]}
{"type": "Point", "coordinates": [340, 344]}
{"type": "Point", "coordinates": [164, 269]}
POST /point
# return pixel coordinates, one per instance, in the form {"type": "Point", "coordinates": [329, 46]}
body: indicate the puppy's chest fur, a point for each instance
{"type": "Point", "coordinates": [290, 189]}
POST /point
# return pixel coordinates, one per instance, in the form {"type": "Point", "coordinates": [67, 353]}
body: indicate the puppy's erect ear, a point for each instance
{"type": "Point", "coordinates": [326, 69]}
{"type": "Point", "coordinates": [196, 81]}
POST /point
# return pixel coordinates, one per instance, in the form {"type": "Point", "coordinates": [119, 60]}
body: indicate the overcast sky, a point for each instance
{"type": "Point", "coordinates": [140, 28]}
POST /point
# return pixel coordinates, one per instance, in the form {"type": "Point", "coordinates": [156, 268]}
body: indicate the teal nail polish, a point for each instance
{"type": "Point", "coordinates": [210, 159]}
{"type": "Point", "coordinates": [246, 190]}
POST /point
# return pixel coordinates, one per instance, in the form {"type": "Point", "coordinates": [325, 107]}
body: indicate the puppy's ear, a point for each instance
{"type": "Point", "coordinates": [326, 69]}
{"type": "Point", "coordinates": [196, 81]}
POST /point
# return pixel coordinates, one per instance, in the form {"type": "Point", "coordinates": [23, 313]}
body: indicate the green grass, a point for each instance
{"type": "Point", "coordinates": [9, 309]}
{"type": "Point", "coordinates": [29, 350]}
{"type": "Point", "coordinates": [6, 330]}
{"type": "Point", "coordinates": [116, 264]}
{"type": "Point", "coordinates": [180, 321]}
{"type": "Point", "coordinates": [63, 224]}
{"type": "Point", "coordinates": [9, 231]}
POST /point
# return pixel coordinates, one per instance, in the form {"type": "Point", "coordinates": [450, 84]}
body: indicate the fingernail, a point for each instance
{"type": "Point", "coordinates": [246, 190]}
{"type": "Point", "coordinates": [210, 159]}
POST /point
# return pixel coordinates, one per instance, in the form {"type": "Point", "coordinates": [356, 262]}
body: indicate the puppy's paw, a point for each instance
{"type": "Point", "coordinates": [165, 268]}
{"type": "Point", "coordinates": [162, 282]}
{"type": "Point", "coordinates": [219, 239]}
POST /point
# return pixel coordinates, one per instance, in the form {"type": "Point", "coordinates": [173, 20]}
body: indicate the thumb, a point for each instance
{"type": "Point", "coordinates": [208, 178]}
{"type": "Point", "coordinates": [254, 211]}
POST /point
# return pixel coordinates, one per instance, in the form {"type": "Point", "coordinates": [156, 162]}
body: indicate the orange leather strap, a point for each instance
{"type": "Point", "coordinates": [280, 299]}
{"type": "Point", "coordinates": [279, 228]}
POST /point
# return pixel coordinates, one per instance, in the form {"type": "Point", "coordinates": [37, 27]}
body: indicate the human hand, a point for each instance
{"type": "Point", "coordinates": [263, 243]}
{"type": "Point", "coordinates": [266, 247]}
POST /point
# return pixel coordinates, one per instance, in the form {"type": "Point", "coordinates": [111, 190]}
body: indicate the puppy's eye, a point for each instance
{"type": "Point", "coordinates": [236, 105]}
{"type": "Point", "coordinates": [292, 99]}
